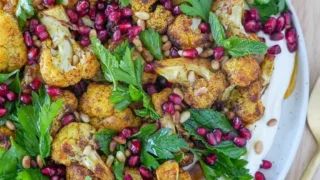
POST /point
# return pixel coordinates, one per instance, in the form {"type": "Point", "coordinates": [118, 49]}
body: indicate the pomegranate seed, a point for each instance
{"type": "Point", "coordinates": [85, 41]}
{"type": "Point", "coordinates": [292, 47]}
{"type": "Point", "coordinates": [100, 19]}
{"type": "Point", "coordinates": [33, 53]}
{"type": "Point", "coordinates": [48, 171]}
{"type": "Point", "coordinates": [103, 35]}
{"type": "Point", "coordinates": [126, 12]}
{"type": "Point", "coordinates": [273, 50]}
{"type": "Point", "coordinates": [99, 27]}
{"type": "Point", "coordinates": [281, 22]}
{"type": "Point", "coordinates": [204, 27]}
{"type": "Point", "coordinates": [114, 16]}
{"type": "Point", "coordinates": [252, 14]}
{"type": "Point", "coordinates": [67, 119]}
{"type": "Point", "coordinates": [175, 98]}
{"type": "Point", "coordinates": [61, 171]}
{"type": "Point", "coordinates": [3, 112]}
{"type": "Point", "coordinates": [11, 96]}
{"type": "Point", "coordinates": [43, 36]}
{"type": "Point", "coordinates": [176, 10]}
{"type": "Point", "coordinates": [149, 68]}
{"type": "Point", "coordinates": [211, 159]}
{"type": "Point", "coordinates": [53, 91]}
{"type": "Point", "coordinates": [168, 5]}
{"type": "Point", "coordinates": [190, 53]}
{"type": "Point", "coordinates": [110, 8]}
{"type": "Point", "coordinates": [228, 136]}
{"type": "Point", "coordinates": [73, 16]}
{"type": "Point", "coordinates": [145, 173]}
{"type": "Point", "coordinates": [134, 32]}
{"type": "Point", "coordinates": [35, 84]}
{"type": "Point", "coordinates": [100, 5]}
{"type": "Point", "coordinates": [49, 2]}
{"type": "Point", "coordinates": [26, 99]}
{"type": "Point", "coordinates": [54, 178]}
{"type": "Point", "coordinates": [92, 13]}
{"type": "Point", "coordinates": [84, 30]}
{"type": "Point", "coordinates": [245, 133]}
{"type": "Point", "coordinates": [168, 107]}
{"type": "Point", "coordinates": [2, 101]}
{"type": "Point", "coordinates": [4, 88]}
{"type": "Point", "coordinates": [82, 7]}
{"type": "Point", "coordinates": [252, 26]}
{"type": "Point", "coordinates": [215, 137]}
{"type": "Point", "coordinates": [116, 36]}
{"type": "Point", "coordinates": [270, 26]}
{"type": "Point", "coordinates": [277, 36]}
{"type": "Point", "coordinates": [240, 142]}
{"type": "Point", "coordinates": [218, 53]}
{"type": "Point", "coordinates": [33, 24]}
{"type": "Point", "coordinates": [174, 52]}
{"type": "Point", "coordinates": [128, 177]}
{"type": "Point", "coordinates": [124, 27]}
{"type": "Point", "coordinates": [266, 164]}
{"type": "Point", "coordinates": [133, 161]}
{"type": "Point", "coordinates": [28, 39]}
{"type": "Point", "coordinates": [40, 29]}
{"type": "Point", "coordinates": [288, 19]}
{"type": "Point", "coordinates": [237, 123]}
{"type": "Point", "coordinates": [151, 88]}
{"type": "Point", "coordinates": [259, 176]}
{"type": "Point", "coordinates": [126, 133]}
{"type": "Point", "coordinates": [201, 131]}
{"type": "Point", "coordinates": [135, 146]}
{"type": "Point", "coordinates": [291, 35]}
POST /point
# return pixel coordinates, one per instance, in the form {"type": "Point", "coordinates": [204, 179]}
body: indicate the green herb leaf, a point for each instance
{"type": "Point", "coordinates": [217, 30]}
{"type": "Point", "coordinates": [238, 47]}
{"type": "Point", "coordinates": [152, 41]}
{"type": "Point", "coordinates": [24, 11]}
{"type": "Point", "coordinates": [145, 131]}
{"type": "Point", "coordinates": [118, 168]}
{"type": "Point", "coordinates": [163, 144]}
{"type": "Point", "coordinates": [104, 138]}
{"type": "Point", "coordinates": [30, 174]}
{"type": "Point", "coordinates": [148, 160]}
{"type": "Point", "coordinates": [5, 77]}
{"type": "Point", "coordinates": [199, 8]}
{"type": "Point", "coordinates": [209, 172]}
{"type": "Point", "coordinates": [267, 8]}
{"type": "Point", "coordinates": [124, 3]}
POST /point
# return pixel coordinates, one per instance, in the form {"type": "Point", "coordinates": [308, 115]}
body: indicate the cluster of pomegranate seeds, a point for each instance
{"type": "Point", "coordinates": [169, 106]}
{"type": "Point", "coordinates": [56, 172]}
{"type": "Point", "coordinates": [146, 173]}
{"type": "Point", "coordinates": [53, 91]}
{"type": "Point", "coordinates": [218, 53]}
{"type": "Point", "coordinates": [264, 165]}
{"type": "Point", "coordinates": [189, 53]}
{"type": "Point", "coordinates": [252, 22]}
{"type": "Point", "coordinates": [67, 119]}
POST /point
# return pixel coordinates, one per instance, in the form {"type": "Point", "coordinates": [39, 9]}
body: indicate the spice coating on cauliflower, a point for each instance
{"type": "Point", "coordinates": [96, 103]}
{"type": "Point", "coordinates": [242, 71]}
{"type": "Point", "coordinates": [63, 62]}
{"type": "Point", "coordinates": [77, 172]}
{"type": "Point", "coordinates": [13, 51]}
{"type": "Point", "coordinates": [142, 5]}
{"type": "Point", "coordinates": [160, 19]}
{"type": "Point", "coordinates": [75, 144]}
{"type": "Point", "coordinates": [184, 33]}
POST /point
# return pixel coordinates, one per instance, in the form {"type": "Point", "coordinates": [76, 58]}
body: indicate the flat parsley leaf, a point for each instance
{"type": "Point", "coordinates": [267, 8]}
{"type": "Point", "coordinates": [217, 30]}
{"type": "Point", "coordinates": [5, 77]}
{"type": "Point", "coordinates": [24, 11]}
{"type": "Point", "coordinates": [104, 138]}
{"type": "Point", "coordinates": [118, 168]}
{"type": "Point", "coordinates": [199, 8]}
{"type": "Point", "coordinates": [30, 174]}
{"type": "Point", "coordinates": [152, 41]}
{"type": "Point", "coordinates": [124, 3]}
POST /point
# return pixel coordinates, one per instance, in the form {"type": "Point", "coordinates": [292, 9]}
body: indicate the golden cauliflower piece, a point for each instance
{"type": "Point", "coordinates": [142, 5]}
{"type": "Point", "coordinates": [13, 52]}
{"type": "Point", "coordinates": [160, 19]}
{"type": "Point", "coordinates": [134, 173]}
{"type": "Point", "coordinates": [30, 73]}
{"type": "Point", "coordinates": [62, 61]}
{"type": "Point", "coordinates": [69, 99]}
{"type": "Point", "coordinates": [242, 71]}
{"type": "Point", "coordinates": [95, 103]}
{"type": "Point", "coordinates": [75, 144]}
{"type": "Point", "coordinates": [169, 170]}
{"type": "Point", "coordinates": [203, 93]}
{"type": "Point", "coordinates": [77, 172]}
{"type": "Point", "coordinates": [184, 33]}
{"type": "Point", "coordinates": [267, 67]}
{"type": "Point", "coordinates": [159, 98]}
{"type": "Point", "coordinates": [184, 175]}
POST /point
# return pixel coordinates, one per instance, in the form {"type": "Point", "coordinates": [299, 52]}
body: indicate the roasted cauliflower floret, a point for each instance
{"type": "Point", "coordinates": [62, 61]}
{"type": "Point", "coordinates": [242, 71]}
{"type": "Point", "coordinates": [184, 175]}
{"type": "Point", "coordinates": [159, 98]}
{"type": "Point", "coordinates": [96, 103]}
{"type": "Point", "coordinates": [142, 5]}
{"type": "Point", "coordinates": [160, 19]}
{"type": "Point", "coordinates": [267, 67]}
{"type": "Point", "coordinates": [203, 93]}
{"type": "Point", "coordinates": [77, 172]}
{"type": "Point", "coordinates": [184, 33]}
{"type": "Point", "coordinates": [169, 170]}
{"type": "Point", "coordinates": [69, 99]}
{"type": "Point", "coordinates": [13, 52]}
{"type": "Point", "coordinates": [75, 144]}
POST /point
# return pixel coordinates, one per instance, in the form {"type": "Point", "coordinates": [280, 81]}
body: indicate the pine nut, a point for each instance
{"type": "Point", "coordinates": [184, 116]}
{"type": "Point", "coordinates": [258, 147]}
{"type": "Point", "coordinates": [147, 56]}
{"type": "Point", "coordinates": [215, 65]}
{"type": "Point", "coordinates": [142, 15]}
{"type": "Point", "coordinates": [77, 115]}
{"type": "Point", "coordinates": [191, 77]}
{"type": "Point", "coordinates": [75, 60]}
{"type": "Point", "coordinates": [207, 53]}
{"type": "Point", "coordinates": [167, 53]}
{"type": "Point", "coordinates": [112, 146]}
{"type": "Point", "coordinates": [127, 153]}
{"type": "Point", "coordinates": [272, 122]}
{"type": "Point", "coordinates": [26, 162]}
{"type": "Point", "coordinates": [138, 44]}
{"type": "Point", "coordinates": [164, 38]}
{"type": "Point", "coordinates": [176, 117]}
{"type": "Point", "coordinates": [142, 24]}
{"type": "Point", "coordinates": [167, 46]}
{"type": "Point", "coordinates": [120, 156]}
{"type": "Point", "coordinates": [199, 49]}
{"type": "Point", "coordinates": [39, 161]}
{"type": "Point", "coordinates": [10, 125]}
{"type": "Point", "coordinates": [201, 91]}
{"type": "Point", "coordinates": [85, 118]}
{"type": "Point", "coordinates": [110, 160]}
{"type": "Point", "coordinates": [119, 140]}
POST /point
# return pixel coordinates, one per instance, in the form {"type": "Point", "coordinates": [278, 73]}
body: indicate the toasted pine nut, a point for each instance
{"type": "Point", "coordinates": [110, 160]}
{"type": "Point", "coordinates": [10, 125]}
{"type": "Point", "coordinates": [215, 65]}
{"type": "Point", "coordinates": [85, 118]}
{"type": "Point", "coordinates": [164, 38]}
{"type": "Point", "coordinates": [191, 77]}
{"type": "Point", "coordinates": [272, 122]}
{"type": "Point", "coordinates": [120, 156]}
{"type": "Point", "coordinates": [39, 161]}
{"type": "Point", "coordinates": [141, 23]}
{"type": "Point", "coordinates": [26, 162]}
{"type": "Point", "coordinates": [258, 147]}
{"type": "Point", "coordinates": [166, 46]}
{"type": "Point", "coordinates": [184, 116]}
{"type": "Point", "coordinates": [142, 15]}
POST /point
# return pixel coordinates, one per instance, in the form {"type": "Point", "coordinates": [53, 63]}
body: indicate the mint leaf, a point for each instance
{"type": "Point", "coordinates": [118, 168]}
{"type": "Point", "coordinates": [199, 8]}
{"type": "Point", "coordinates": [148, 160]}
{"type": "Point", "coordinates": [267, 8]}
{"type": "Point", "coordinates": [5, 77]}
{"type": "Point", "coordinates": [24, 11]}
{"type": "Point", "coordinates": [238, 47]}
{"type": "Point", "coordinates": [103, 139]}
{"type": "Point", "coordinates": [124, 3]}
{"type": "Point", "coordinates": [145, 131]}
{"type": "Point", "coordinates": [152, 41]}
{"type": "Point", "coordinates": [217, 30]}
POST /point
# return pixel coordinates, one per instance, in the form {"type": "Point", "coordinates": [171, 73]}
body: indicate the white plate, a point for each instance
{"type": "Point", "coordinates": [293, 116]}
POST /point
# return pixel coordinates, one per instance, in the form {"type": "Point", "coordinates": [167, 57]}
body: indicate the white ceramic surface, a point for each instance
{"type": "Point", "coordinates": [293, 116]}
